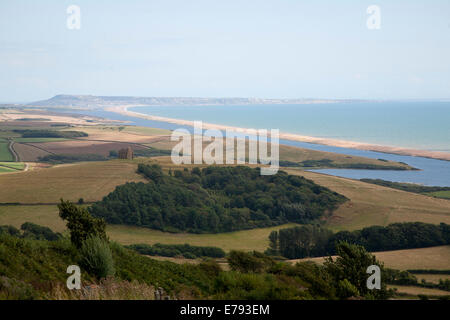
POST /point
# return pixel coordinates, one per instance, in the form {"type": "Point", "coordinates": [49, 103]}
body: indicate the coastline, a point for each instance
{"type": "Point", "coordinates": [439, 155]}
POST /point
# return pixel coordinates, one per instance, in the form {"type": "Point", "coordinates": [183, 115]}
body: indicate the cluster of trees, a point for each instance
{"type": "Point", "coordinates": [312, 240]}
{"type": "Point", "coordinates": [30, 230]}
{"type": "Point", "coordinates": [69, 158]}
{"type": "Point", "coordinates": [178, 250]}
{"type": "Point", "coordinates": [215, 199]}
{"type": "Point", "coordinates": [42, 133]}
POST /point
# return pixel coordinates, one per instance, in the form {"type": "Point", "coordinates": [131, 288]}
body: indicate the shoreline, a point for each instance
{"type": "Point", "coordinates": [438, 155]}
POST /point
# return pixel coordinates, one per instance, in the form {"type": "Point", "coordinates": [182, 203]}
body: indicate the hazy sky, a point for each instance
{"type": "Point", "coordinates": [226, 48]}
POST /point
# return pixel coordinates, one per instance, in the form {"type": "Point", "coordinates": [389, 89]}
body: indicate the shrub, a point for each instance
{"type": "Point", "coordinates": [210, 267]}
{"type": "Point", "coordinates": [96, 257]}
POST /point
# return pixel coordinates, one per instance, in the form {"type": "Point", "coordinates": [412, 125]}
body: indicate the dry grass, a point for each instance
{"type": "Point", "coordinates": [90, 181]}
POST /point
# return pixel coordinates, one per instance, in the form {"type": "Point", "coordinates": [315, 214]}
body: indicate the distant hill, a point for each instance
{"type": "Point", "coordinates": [90, 101]}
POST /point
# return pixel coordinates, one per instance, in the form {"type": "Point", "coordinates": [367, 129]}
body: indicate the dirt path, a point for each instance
{"type": "Point", "coordinates": [13, 152]}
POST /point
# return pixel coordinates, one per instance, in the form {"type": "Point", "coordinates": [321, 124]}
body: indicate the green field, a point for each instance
{"type": "Point", "coordinates": [5, 154]}
{"type": "Point", "coordinates": [4, 169]}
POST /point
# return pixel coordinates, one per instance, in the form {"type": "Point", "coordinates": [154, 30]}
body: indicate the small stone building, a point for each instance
{"type": "Point", "coordinates": [126, 153]}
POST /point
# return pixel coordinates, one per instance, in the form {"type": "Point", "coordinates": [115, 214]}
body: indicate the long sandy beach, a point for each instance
{"type": "Point", "coordinates": [294, 137]}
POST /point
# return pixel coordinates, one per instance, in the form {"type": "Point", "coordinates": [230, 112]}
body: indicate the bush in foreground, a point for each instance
{"type": "Point", "coordinates": [96, 257]}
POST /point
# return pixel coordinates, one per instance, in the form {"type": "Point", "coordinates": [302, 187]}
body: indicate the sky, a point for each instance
{"type": "Point", "coordinates": [226, 48]}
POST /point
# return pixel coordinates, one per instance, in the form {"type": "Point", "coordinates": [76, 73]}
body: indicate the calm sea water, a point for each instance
{"type": "Point", "coordinates": [433, 172]}
{"type": "Point", "coordinates": [422, 125]}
